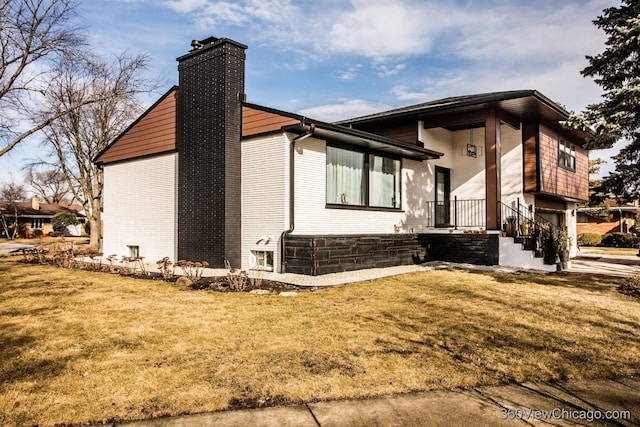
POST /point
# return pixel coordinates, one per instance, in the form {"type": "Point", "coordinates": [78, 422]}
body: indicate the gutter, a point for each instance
{"type": "Point", "coordinates": [292, 148]}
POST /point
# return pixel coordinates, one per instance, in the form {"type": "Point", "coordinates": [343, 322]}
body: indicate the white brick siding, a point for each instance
{"type": "Point", "coordinates": [312, 216]}
{"type": "Point", "coordinates": [140, 207]}
{"type": "Point", "coordinates": [265, 195]}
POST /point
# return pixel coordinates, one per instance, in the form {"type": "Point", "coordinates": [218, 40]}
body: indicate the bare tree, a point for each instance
{"type": "Point", "coordinates": [13, 192]}
{"type": "Point", "coordinates": [50, 184]}
{"type": "Point", "coordinates": [33, 35]}
{"type": "Point", "coordinates": [10, 193]}
{"type": "Point", "coordinates": [77, 137]}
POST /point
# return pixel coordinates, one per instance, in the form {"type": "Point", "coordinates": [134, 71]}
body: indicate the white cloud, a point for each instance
{"type": "Point", "coordinates": [186, 6]}
{"type": "Point", "coordinates": [380, 29]}
{"type": "Point", "coordinates": [344, 109]}
{"type": "Point", "coordinates": [384, 71]}
{"type": "Point", "coordinates": [350, 73]}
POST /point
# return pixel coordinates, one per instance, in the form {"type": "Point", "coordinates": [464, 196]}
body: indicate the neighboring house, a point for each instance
{"type": "Point", "coordinates": [621, 218]}
{"type": "Point", "coordinates": [37, 216]}
{"type": "Point", "coordinates": [205, 175]}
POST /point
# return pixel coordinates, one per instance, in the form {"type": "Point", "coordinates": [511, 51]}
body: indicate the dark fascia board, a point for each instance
{"type": "Point", "coordinates": [364, 139]}
{"type": "Point", "coordinates": [353, 136]}
{"type": "Point", "coordinates": [96, 159]}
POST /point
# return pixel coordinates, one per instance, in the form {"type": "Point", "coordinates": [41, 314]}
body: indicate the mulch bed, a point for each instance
{"type": "Point", "coordinates": [629, 289]}
{"type": "Point", "coordinates": [221, 284]}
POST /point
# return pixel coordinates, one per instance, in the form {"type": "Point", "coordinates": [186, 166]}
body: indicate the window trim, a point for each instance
{"type": "Point", "coordinates": [563, 145]}
{"type": "Point", "coordinates": [367, 152]}
{"type": "Point", "coordinates": [266, 267]}
{"type": "Point", "coordinates": [134, 251]}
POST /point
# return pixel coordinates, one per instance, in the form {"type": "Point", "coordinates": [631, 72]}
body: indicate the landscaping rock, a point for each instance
{"type": "Point", "coordinates": [260, 292]}
{"type": "Point", "coordinates": [184, 281]}
{"type": "Point", "coordinates": [288, 294]}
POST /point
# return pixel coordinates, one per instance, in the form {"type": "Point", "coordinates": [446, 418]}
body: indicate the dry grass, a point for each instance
{"type": "Point", "coordinates": [77, 346]}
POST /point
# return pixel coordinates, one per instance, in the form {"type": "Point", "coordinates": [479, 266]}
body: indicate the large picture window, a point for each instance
{"type": "Point", "coordinates": [356, 178]}
{"type": "Point", "coordinates": [566, 155]}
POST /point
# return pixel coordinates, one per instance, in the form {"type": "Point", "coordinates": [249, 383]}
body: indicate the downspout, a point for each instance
{"type": "Point", "coordinates": [292, 148]}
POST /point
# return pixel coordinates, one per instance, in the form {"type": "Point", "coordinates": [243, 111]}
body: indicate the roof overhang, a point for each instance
{"type": "Point", "coordinates": [526, 106]}
{"type": "Point", "coordinates": [359, 138]}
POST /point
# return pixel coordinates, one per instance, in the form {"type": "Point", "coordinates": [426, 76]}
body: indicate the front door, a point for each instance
{"type": "Point", "coordinates": [443, 197]}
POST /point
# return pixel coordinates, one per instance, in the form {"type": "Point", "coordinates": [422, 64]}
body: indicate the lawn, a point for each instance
{"type": "Point", "coordinates": [79, 346]}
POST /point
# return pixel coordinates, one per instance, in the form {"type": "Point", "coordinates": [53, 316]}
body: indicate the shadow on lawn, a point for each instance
{"type": "Point", "coordinates": [590, 282]}
{"type": "Point", "coordinates": [502, 338]}
{"type": "Point", "coordinates": [20, 360]}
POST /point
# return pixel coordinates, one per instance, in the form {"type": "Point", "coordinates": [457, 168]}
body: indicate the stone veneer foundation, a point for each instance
{"type": "Point", "coordinates": [316, 255]}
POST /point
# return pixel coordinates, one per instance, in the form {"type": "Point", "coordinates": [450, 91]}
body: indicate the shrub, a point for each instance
{"type": "Point", "coordinates": [620, 240]}
{"type": "Point", "coordinates": [589, 239]}
{"type": "Point", "coordinates": [165, 267]}
{"type": "Point", "coordinates": [63, 219]}
{"type": "Point", "coordinates": [37, 234]}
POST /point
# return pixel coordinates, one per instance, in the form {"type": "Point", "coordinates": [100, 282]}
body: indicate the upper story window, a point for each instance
{"type": "Point", "coordinates": [358, 178]}
{"type": "Point", "coordinates": [566, 155]}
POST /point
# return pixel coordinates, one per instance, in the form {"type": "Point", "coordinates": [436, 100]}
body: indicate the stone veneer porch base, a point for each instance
{"type": "Point", "coordinates": [322, 254]}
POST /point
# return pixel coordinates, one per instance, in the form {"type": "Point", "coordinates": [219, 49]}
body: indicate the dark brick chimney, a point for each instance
{"type": "Point", "coordinates": [211, 86]}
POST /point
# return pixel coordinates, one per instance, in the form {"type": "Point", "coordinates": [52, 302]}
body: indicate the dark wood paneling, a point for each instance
{"type": "Point", "coordinates": [256, 122]}
{"type": "Point", "coordinates": [407, 132]}
{"type": "Point", "coordinates": [530, 150]}
{"type": "Point", "coordinates": [493, 163]}
{"type": "Point", "coordinates": [559, 181]}
{"type": "Point", "coordinates": [153, 133]}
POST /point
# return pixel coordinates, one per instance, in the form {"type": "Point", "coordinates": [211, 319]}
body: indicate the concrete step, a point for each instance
{"type": "Point", "coordinates": [513, 254]}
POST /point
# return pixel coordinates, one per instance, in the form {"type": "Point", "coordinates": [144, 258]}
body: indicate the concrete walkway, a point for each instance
{"type": "Point", "coordinates": [614, 402]}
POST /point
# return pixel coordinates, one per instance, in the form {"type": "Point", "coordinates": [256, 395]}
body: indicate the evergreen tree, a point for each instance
{"type": "Point", "coordinates": [617, 71]}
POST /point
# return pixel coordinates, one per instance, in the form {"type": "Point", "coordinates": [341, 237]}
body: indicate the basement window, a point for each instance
{"type": "Point", "coordinates": [566, 155]}
{"type": "Point", "coordinates": [134, 251]}
{"type": "Point", "coordinates": [263, 260]}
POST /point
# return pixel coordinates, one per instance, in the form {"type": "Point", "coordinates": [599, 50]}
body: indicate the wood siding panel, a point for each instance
{"type": "Point", "coordinates": [255, 122]}
{"type": "Point", "coordinates": [153, 133]}
{"type": "Point", "coordinates": [406, 132]}
{"type": "Point", "coordinates": [530, 149]}
{"type": "Point", "coordinates": [557, 180]}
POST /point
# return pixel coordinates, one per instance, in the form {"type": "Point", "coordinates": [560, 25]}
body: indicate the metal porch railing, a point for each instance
{"type": "Point", "coordinates": [456, 213]}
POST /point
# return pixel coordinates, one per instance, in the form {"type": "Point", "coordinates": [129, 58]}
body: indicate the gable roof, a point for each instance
{"type": "Point", "coordinates": [25, 209]}
{"type": "Point", "coordinates": [154, 132]}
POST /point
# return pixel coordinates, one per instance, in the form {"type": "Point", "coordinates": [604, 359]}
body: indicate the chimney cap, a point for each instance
{"type": "Point", "coordinates": [210, 42]}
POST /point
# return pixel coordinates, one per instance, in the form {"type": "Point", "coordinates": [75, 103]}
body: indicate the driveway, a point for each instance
{"type": "Point", "coordinates": [6, 248]}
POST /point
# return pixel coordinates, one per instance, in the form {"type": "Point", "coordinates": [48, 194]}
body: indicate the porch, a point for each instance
{"type": "Point", "coordinates": [455, 232]}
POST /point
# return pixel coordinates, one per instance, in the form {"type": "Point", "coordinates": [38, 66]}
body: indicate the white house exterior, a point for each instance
{"type": "Point", "coordinates": [272, 189]}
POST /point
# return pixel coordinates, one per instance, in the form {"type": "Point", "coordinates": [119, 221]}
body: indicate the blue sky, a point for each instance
{"type": "Point", "coordinates": [334, 59]}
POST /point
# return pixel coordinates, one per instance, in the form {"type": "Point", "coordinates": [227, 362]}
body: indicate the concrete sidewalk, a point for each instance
{"type": "Point", "coordinates": [565, 403]}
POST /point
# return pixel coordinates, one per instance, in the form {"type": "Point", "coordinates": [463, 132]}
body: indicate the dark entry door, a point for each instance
{"type": "Point", "coordinates": [443, 197]}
